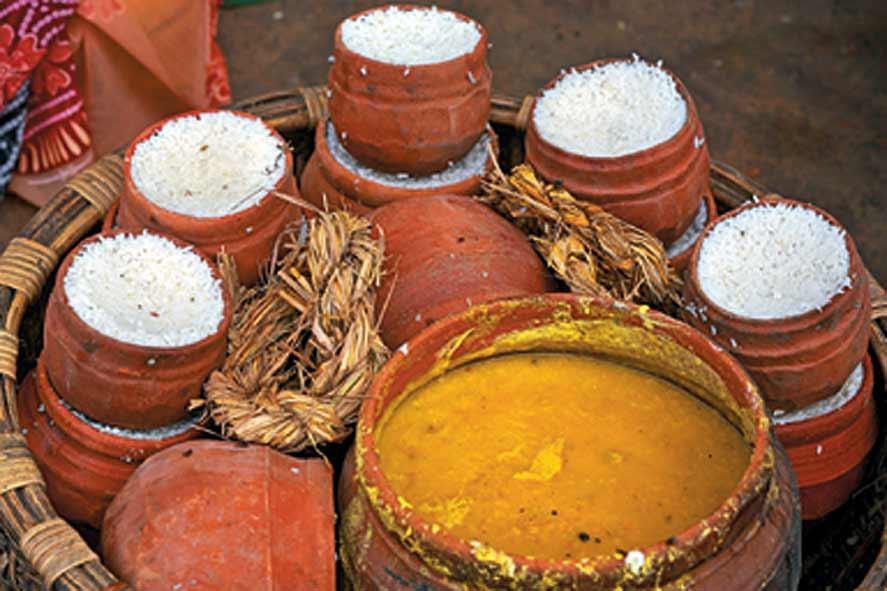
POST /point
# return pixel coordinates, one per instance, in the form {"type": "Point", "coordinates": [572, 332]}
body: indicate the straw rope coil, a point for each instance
{"type": "Point", "coordinates": [101, 183]}
{"type": "Point", "coordinates": [315, 103]}
{"type": "Point", "coordinates": [8, 353]}
{"type": "Point", "coordinates": [17, 468]}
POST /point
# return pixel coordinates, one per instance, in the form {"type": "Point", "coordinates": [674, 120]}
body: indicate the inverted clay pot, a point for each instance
{"type": "Point", "coordinates": [413, 119]}
{"type": "Point", "coordinates": [84, 466]}
{"type": "Point", "coordinates": [325, 182]}
{"type": "Point", "coordinates": [828, 450]}
{"type": "Point", "coordinates": [797, 360]}
{"type": "Point", "coordinates": [119, 383]}
{"type": "Point", "coordinates": [657, 189]}
{"type": "Point", "coordinates": [247, 235]}
{"type": "Point", "coordinates": [750, 543]}
{"type": "Point", "coordinates": [444, 254]}
{"type": "Point", "coordinates": [217, 515]}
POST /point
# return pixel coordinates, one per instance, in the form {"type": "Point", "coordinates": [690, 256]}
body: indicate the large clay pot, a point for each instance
{"type": "Point", "coordinates": [325, 182]}
{"type": "Point", "coordinates": [798, 360]}
{"type": "Point", "coordinates": [750, 543]}
{"type": "Point", "coordinates": [657, 189]}
{"type": "Point", "coordinates": [412, 119]}
{"type": "Point", "coordinates": [119, 383]}
{"type": "Point", "coordinates": [828, 450]}
{"type": "Point", "coordinates": [217, 515]}
{"type": "Point", "coordinates": [84, 466]}
{"type": "Point", "coordinates": [445, 253]}
{"type": "Point", "coordinates": [246, 235]}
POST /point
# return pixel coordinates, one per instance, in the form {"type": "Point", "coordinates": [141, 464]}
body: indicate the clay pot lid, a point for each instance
{"type": "Point", "coordinates": [213, 225]}
{"type": "Point", "coordinates": [775, 325]}
{"type": "Point", "coordinates": [691, 121]}
{"type": "Point", "coordinates": [132, 348]}
{"type": "Point", "coordinates": [477, 51]}
{"type": "Point", "coordinates": [750, 492]}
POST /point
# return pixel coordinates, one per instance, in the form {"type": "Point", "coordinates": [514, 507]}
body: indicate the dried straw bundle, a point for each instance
{"type": "Point", "coordinates": [592, 251]}
{"type": "Point", "coordinates": [304, 345]}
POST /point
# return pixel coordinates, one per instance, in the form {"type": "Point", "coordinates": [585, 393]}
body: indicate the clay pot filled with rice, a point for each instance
{"type": "Point", "coordinates": [334, 178]}
{"type": "Point", "coordinates": [625, 134]}
{"type": "Point", "coordinates": [828, 442]}
{"type": "Point", "coordinates": [780, 285]}
{"type": "Point", "coordinates": [444, 254]}
{"type": "Point", "coordinates": [409, 87]}
{"type": "Point", "coordinates": [134, 325]}
{"type": "Point", "coordinates": [218, 515]}
{"type": "Point", "coordinates": [84, 462]}
{"type": "Point", "coordinates": [208, 177]}
{"type": "Point", "coordinates": [521, 445]}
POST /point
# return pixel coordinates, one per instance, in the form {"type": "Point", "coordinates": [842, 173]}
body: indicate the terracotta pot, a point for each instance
{"type": "Point", "coordinates": [325, 177]}
{"type": "Point", "coordinates": [657, 189]}
{"type": "Point", "coordinates": [681, 260]}
{"type": "Point", "coordinates": [413, 119]}
{"type": "Point", "coordinates": [445, 253]}
{"type": "Point", "coordinates": [217, 515]}
{"type": "Point", "coordinates": [109, 222]}
{"type": "Point", "coordinates": [751, 542]}
{"type": "Point", "coordinates": [119, 383]}
{"type": "Point", "coordinates": [84, 467]}
{"type": "Point", "coordinates": [828, 451]}
{"type": "Point", "coordinates": [798, 360]}
{"type": "Point", "coordinates": [247, 235]}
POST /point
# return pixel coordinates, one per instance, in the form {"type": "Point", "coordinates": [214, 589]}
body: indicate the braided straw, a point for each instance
{"type": "Point", "coordinates": [101, 183]}
{"type": "Point", "coordinates": [54, 548]}
{"type": "Point", "coordinates": [25, 265]}
{"type": "Point", "coordinates": [522, 120]}
{"type": "Point", "coordinates": [316, 103]}
{"type": "Point", "coordinates": [17, 468]}
{"type": "Point", "coordinates": [8, 353]}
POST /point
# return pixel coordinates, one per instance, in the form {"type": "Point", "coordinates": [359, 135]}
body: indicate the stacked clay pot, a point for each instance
{"type": "Point", "coordinates": [97, 406]}
{"type": "Point", "coordinates": [410, 122]}
{"type": "Point", "coordinates": [658, 189]}
{"type": "Point", "coordinates": [218, 515]}
{"type": "Point", "coordinates": [803, 365]}
{"type": "Point", "coordinates": [247, 235]}
{"type": "Point", "coordinates": [443, 255]}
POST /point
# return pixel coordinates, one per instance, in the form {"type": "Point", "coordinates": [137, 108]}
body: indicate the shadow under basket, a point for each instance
{"type": "Point", "coordinates": [845, 550]}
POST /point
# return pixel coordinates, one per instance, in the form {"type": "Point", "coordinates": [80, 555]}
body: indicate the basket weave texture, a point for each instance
{"type": "Point", "coordinates": [51, 546]}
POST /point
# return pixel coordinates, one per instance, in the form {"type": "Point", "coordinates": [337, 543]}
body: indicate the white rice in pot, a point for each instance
{"type": "Point", "coordinates": [773, 261]}
{"type": "Point", "coordinates": [410, 37]}
{"type": "Point", "coordinates": [611, 110]}
{"type": "Point", "coordinates": [208, 165]}
{"type": "Point", "coordinates": [145, 290]}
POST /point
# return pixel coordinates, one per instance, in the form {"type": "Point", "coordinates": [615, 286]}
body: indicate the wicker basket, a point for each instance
{"type": "Point", "coordinates": [850, 545]}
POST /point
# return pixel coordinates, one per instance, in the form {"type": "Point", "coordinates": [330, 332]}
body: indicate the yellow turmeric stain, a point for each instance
{"type": "Point", "coordinates": [558, 455]}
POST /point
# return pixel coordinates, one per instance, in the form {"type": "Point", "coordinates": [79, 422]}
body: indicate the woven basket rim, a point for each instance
{"type": "Point", "coordinates": [58, 226]}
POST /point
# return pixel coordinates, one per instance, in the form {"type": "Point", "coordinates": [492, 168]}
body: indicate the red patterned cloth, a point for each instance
{"type": "Point", "coordinates": [142, 62]}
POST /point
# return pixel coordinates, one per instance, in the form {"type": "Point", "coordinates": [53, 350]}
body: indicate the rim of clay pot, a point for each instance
{"type": "Point", "coordinates": [107, 443]}
{"type": "Point", "coordinates": [682, 259]}
{"type": "Point", "coordinates": [373, 194]}
{"type": "Point", "coordinates": [774, 325]}
{"type": "Point", "coordinates": [833, 421]}
{"type": "Point", "coordinates": [133, 348]}
{"type": "Point", "coordinates": [217, 227]}
{"type": "Point", "coordinates": [663, 561]}
{"type": "Point", "coordinates": [691, 120]}
{"type": "Point", "coordinates": [339, 46]}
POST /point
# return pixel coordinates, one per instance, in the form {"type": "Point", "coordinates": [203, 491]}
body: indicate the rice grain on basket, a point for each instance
{"type": "Point", "coordinates": [410, 37]}
{"type": "Point", "coordinates": [774, 261]}
{"type": "Point", "coordinates": [145, 290]}
{"type": "Point", "coordinates": [615, 109]}
{"type": "Point", "coordinates": [208, 165]}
